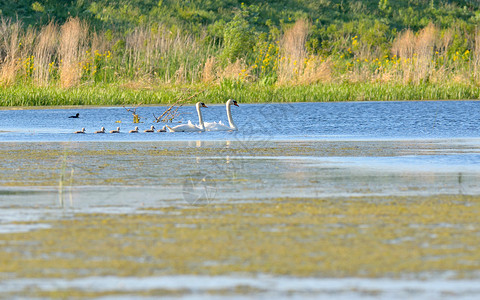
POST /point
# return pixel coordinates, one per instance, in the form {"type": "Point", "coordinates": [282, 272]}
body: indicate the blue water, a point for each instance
{"type": "Point", "coordinates": [297, 121]}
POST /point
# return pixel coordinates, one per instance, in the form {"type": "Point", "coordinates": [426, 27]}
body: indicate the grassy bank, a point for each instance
{"type": "Point", "coordinates": [75, 64]}
{"type": "Point", "coordinates": [107, 95]}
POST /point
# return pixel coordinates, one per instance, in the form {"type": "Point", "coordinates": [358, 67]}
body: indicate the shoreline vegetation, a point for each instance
{"type": "Point", "coordinates": [113, 95]}
{"type": "Point", "coordinates": [246, 56]}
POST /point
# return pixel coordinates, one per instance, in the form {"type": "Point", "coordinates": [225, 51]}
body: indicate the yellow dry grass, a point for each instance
{"type": "Point", "coordinates": [292, 52]}
{"type": "Point", "coordinates": [44, 52]}
{"type": "Point", "coordinates": [72, 38]}
{"type": "Point", "coordinates": [232, 70]}
{"type": "Point", "coordinates": [316, 70]}
{"type": "Point", "coordinates": [416, 53]}
{"type": "Point", "coordinates": [209, 70]}
{"type": "Point", "coordinates": [10, 42]}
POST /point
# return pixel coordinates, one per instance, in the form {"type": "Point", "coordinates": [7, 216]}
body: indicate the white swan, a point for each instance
{"type": "Point", "coordinates": [214, 126]}
{"type": "Point", "coordinates": [134, 130]}
{"type": "Point", "coordinates": [190, 127]}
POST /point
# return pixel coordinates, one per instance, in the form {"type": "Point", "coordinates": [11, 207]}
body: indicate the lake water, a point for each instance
{"type": "Point", "coordinates": [298, 121]}
{"type": "Point", "coordinates": [429, 146]}
{"type": "Point", "coordinates": [348, 150]}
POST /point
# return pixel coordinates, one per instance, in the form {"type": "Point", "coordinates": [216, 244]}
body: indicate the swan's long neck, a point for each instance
{"type": "Point", "coordinates": [200, 117]}
{"type": "Point", "coordinates": [229, 115]}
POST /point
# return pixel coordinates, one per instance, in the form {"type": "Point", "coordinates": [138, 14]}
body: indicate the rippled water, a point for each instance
{"type": "Point", "coordinates": [317, 121]}
{"type": "Point", "coordinates": [352, 149]}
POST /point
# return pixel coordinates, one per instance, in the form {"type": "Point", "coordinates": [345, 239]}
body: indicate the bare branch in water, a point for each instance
{"type": "Point", "coordinates": [136, 117]}
{"type": "Point", "coordinates": [172, 111]}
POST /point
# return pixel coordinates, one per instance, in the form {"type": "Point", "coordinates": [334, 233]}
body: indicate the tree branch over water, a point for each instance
{"type": "Point", "coordinates": [136, 117]}
{"type": "Point", "coordinates": [172, 111]}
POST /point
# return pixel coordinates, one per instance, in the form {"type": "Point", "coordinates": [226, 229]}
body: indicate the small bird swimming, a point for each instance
{"type": "Point", "coordinates": [163, 129]}
{"type": "Point", "coordinates": [80, 131]}
{"type": "Point", "coordinates": [101, 130]}
{"type": "Point", "coordinates": [75, 116]}
{"type": "Point", "coordinates": [115, 131]}
{"type": "Point", "coordinates": [134, 130]}
{"type": "Point", "coordinates": [152, 129]}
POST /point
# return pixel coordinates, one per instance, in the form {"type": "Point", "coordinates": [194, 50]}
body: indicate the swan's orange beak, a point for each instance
{"type": "Point", "coordinates": [235, 103]}
{"type": "Point", "coordinates": [203, 105]}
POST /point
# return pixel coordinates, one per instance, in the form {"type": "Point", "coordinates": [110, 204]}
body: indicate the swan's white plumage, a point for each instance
{"type": "Point", "coordinates": [190, 127]}
{"type": "Point", "coordinates": [214, 126]}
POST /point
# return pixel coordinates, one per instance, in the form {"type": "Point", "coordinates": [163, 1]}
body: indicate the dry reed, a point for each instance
{"type": "Point", "coordinates": [44, 52]}
{"type": "Point", "coordinates": [476, 57]}
{"type": "Point", "coordinates": [424, 48]}
{"type": "Point", "coordinates": [100, 43]}
{"type": "Point", "coordinates": [72, 45]}
{"type": "Point", "coordinates": [415, 53]}
{"type": "Point", "coordinates": [316, 70]}
{"type": "Point", "coordinates": [9, 51]}
{"type": "Point", "coordinates": [208, 72]}
{"type": "Point", "coordinates": [233, 70]}
{"type": "Point", "coordinates": [404, 45]}
{"type": "Point", "coordinates": [149, 50]}
{"type": "Point", "coordinates": [181, 75]}
{"type": "Point", "coordinates": [138, 47]}
{"type": "Point", "coordinates": [292, 52]}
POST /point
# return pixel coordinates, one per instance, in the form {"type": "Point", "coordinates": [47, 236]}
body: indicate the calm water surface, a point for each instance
{"type": "Point", "coordinates": [349, 149]}
{"type": "Point", "coordinates": [363, 147]}
{"type": "Point", "coordinates": [315, 121]}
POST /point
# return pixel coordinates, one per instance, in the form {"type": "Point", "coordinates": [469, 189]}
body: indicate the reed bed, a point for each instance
{"type": "Point", "coordinates": [71, 64]}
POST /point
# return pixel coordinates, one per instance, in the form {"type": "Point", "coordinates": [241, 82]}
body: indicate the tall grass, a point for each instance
{"type": "Point", "coordinates": [157, 54]}
{"type": "Point", "coordinates": [10, 51]}
{"type": "Point", "coordinates": [476, 57]}
{"type": "Point", "coordinates": [208, 73]}
{"type": "Point", "coordinates": [44, 52]}
{"type": "Point", "coordinates": [70, 64]}
{"type": "Point", "coordinates": [72, 46]}
{"type": "Point", "coordinates": [292, 52]}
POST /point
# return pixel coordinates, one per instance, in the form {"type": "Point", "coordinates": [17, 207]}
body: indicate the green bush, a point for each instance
{"type": "Point", "coordinates": [238, 39]}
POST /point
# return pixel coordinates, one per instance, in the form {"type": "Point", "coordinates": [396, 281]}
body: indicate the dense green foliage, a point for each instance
{"type": "Point", "coordinates": [376, 21]}
{"type": "Point", "coordinates": [196, 13]}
